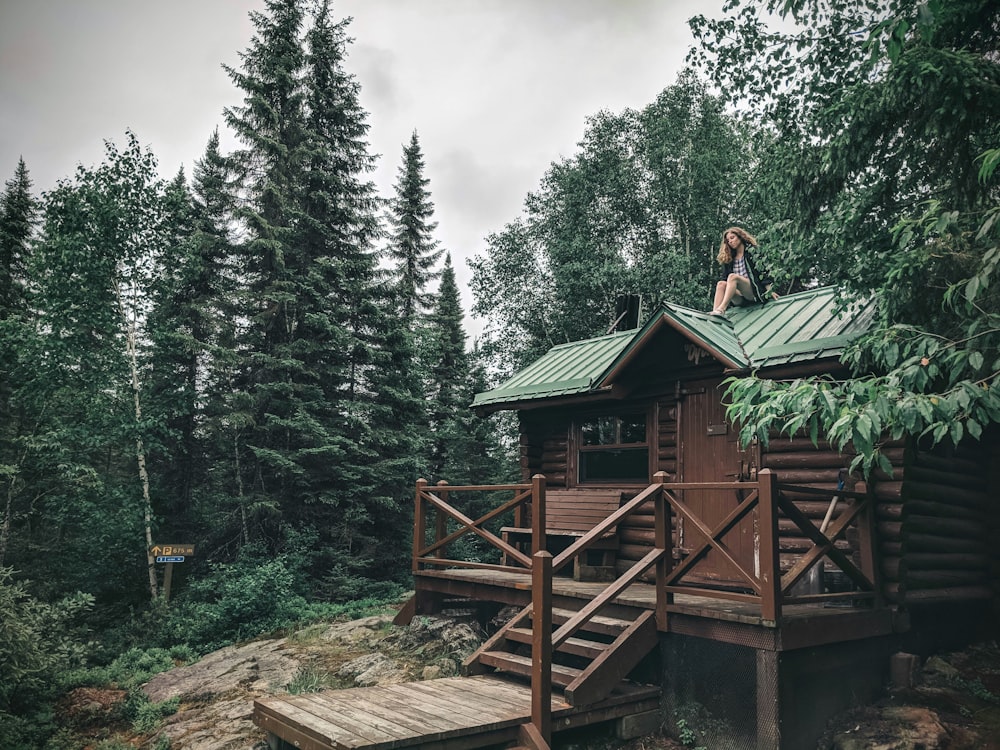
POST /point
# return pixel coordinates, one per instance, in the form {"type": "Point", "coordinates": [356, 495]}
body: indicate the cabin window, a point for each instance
{"type": "Point", "coordinates": [614, 448]}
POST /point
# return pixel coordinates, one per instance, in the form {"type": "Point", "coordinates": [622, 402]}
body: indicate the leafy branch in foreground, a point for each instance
{"type": "Point", "coordinates": [930, 385]}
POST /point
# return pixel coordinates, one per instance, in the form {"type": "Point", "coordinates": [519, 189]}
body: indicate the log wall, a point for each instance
{"type": "Point", "coordinates": [797, 461]}
{"type": "Point", "coordinates": [934, 525]}
{"type": "Point", "coordinates": [544, 449]}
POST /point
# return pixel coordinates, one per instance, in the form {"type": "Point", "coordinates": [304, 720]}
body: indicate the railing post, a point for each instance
{"type": "Point", "coordinates": [419, 523]}
{"type": "Point", "coordinates": [662, 540]}
{"type": "Point", "coordinates": [770, 561]}
{"type": "Point", "coordinates": [541, 643]}
{"type": "Point", "coordinates": [441, 521]}
{"type": "Point", "coordinates": [868, 561]}
{"type": "Point", "coordinates": [538, 513]}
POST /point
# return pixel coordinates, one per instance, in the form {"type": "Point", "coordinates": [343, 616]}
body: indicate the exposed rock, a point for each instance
{"type": "Point", "coordinates": [260, 667]}
{"type": "Point", "coordinates": [373, 669]}
{"type": "Point", "coordinates": [433, 636]}
{"type": "Point", "coordinates": [365, 630]}
{"type": "Point", "coordinates": [222, 725]}
{"type": "Point", "coordinates": [938, 667]}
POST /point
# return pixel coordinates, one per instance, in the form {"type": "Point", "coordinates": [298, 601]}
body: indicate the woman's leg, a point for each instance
{"type": "Point", "coordinates": [720, 292]}
{"type": "Point", "coordinates": [743, 288]}
{"type": "Point", "coordinates": [735, 285]}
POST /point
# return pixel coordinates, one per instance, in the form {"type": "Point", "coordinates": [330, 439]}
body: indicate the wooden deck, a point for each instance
{"type": "Point", "coordinates": [802, 625]}
{"type": "Point", "coordinates": [453, 713]}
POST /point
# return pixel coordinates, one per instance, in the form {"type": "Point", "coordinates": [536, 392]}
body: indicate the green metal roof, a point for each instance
{"type": "Point", "coordinates": [564, 370]}
{"type": "Point", "coordinates": [800, 327]}
{"type": "Point", "coordinates": [797, 328]}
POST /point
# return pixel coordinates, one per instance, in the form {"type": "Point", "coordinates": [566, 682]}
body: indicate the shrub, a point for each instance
{"type": "Point", "coordinates": [37, 642]}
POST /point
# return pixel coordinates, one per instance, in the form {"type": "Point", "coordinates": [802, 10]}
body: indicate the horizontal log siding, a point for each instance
{"type": "Point", "coordinates": [545, 449]}
{"type": "Point", "coordinates": [936, 542]}
{"type": "Point", "coordinates": [797, 461]}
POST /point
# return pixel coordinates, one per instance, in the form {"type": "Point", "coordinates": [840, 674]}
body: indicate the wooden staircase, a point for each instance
{"type": "Point", "coordinates": [586, 666]}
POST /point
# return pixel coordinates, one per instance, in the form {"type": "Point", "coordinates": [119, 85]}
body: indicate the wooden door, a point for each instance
{"type": "Point", "coordinates": [710, 452]}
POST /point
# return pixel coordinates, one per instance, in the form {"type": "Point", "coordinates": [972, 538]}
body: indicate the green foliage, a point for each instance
{"type": "Point", "coordinates": [687, 736]}
{"type": "Point", "coordinates": [310, 679]}
{"type": "Point", "coordinates": [639, 209]}
{"type": "Point", "coordinates": [886, 122]}
{"type": "Point", "coordinates": [130, 669]}
{"type": "Point", "coordinates": [146, 717]}
{"type": "Point", "coordinates": [38, 641]}
{"type": "Point", "coordinates": [236, 601]}
{"type": "Point", "coordinates": [252, 595]}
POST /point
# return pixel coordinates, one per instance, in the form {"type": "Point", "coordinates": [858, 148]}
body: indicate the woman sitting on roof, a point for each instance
{"type": "Point", "coordinates": [740, 282]}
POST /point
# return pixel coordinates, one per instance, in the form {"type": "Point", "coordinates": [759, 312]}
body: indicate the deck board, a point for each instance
{"type": "Point", "coordinates": [356, 716]}
{"type": "Point", "coordinates": [448, 712]}
{"type": "Point", "coordinates": [399, 711]}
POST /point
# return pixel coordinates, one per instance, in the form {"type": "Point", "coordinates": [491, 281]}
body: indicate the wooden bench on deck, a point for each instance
{"type": "Point", "coordinates": [571, 513]}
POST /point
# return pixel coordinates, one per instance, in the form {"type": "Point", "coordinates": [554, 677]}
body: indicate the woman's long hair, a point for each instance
{"type": "Point", "coordinates": [725, 256]}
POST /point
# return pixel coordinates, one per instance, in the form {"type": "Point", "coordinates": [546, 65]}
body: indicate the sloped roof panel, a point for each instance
{"type": "Point", "coordinates": [565, 369]}
{"type": "Point", "coordinates": [800, 327]}
{"type": "Point", "coordinates": [714, 333]}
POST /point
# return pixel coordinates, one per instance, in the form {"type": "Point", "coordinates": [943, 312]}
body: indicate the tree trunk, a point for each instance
{"type": "Point", "coordinates": [140, 451]}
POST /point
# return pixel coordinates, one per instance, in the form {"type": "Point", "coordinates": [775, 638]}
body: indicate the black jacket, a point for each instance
{"type": "Point", "coordinates": [760, 279]}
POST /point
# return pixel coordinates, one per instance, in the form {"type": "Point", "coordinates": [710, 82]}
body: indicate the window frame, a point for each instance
{"type": "Point", "coordinates": [619, 416]}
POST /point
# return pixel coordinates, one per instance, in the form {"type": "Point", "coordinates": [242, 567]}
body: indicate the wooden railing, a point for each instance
{"type": "Point", "coordinates": [760, 584]}
{"type": "Point", "coordinates": [432, 512]}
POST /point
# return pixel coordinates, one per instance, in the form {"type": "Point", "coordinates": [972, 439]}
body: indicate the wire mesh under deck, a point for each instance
{"type": "Point", "coordinates": [448, 713]}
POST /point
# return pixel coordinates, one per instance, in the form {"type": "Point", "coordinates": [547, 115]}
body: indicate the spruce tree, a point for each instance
{"type": "Point", "coordinates": [316, 338]}
{"type": "Point", "coordinates": [268, 169]}
{"type": "Point", "coordinates": [413, 249]}
{"type": "Point", "coordinates": [449, 372]}
{"type": "Point", "coordinates": [17, 218]}
{"type": "Point", "coordinates": [191, 335]}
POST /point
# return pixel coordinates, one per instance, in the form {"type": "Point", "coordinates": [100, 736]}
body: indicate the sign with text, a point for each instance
{"type": "Point", "coordinates": [170, 558]}
{"type": "Point", "coordinates": [172, 549]}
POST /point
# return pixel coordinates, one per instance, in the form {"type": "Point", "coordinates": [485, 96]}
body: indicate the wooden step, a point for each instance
{"type": "Point", "coordinates": [597, 624]}
{"type": "Point", "coordinates": [575, 646]}
{"type": "Point", "coordinates": [521, 665]}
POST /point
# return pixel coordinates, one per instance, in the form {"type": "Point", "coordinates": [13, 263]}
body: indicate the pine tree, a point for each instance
{"type": "Point", "coordinates": [317, 340]}
{"type": "Point", "coordinates": [449, 371]}
{"type": "Point", "coordinates": [359, 342]}
{"type": "Point", "coordinates": [269, 171]}
{"type": "Point", "coordinates": [17, 218]}
{"type": "Point", "coordinates": [413, 249]}
{"type": "Point", "coordinates": [191, 334]}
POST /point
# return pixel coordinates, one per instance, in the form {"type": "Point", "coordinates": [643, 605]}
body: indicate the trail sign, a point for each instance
{"type": "Point", "coordinates": [172, 549]}
{"type": "Point", "coordinates": [170, 554]}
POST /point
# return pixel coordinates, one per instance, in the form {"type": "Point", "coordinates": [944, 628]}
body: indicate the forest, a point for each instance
{"type": "Point", "coordinates": [259, 361]}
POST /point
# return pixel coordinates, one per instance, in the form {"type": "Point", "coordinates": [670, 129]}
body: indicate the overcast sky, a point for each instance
{"type": "Point", "coordinates": [496, 89]}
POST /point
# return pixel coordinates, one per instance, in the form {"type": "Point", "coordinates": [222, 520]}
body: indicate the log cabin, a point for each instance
{"type": "Point", "coordinates": [755, 590]}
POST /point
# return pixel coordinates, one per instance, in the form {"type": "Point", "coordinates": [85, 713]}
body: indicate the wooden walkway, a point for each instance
{"type": "Point", "coordinates": [453, 713]}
